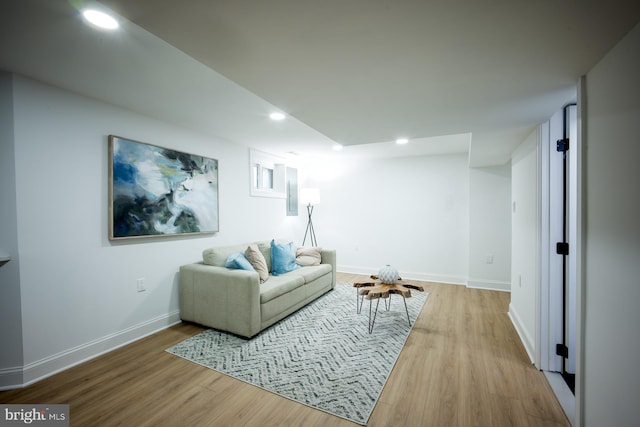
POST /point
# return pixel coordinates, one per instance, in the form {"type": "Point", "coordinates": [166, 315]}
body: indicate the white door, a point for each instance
{"type": "Point", "coordinates": [558, 272]}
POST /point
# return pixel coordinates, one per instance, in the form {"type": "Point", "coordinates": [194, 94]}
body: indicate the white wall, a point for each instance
{"type": "Point", "coordinates": [490, 227]}
{"type": "Point", "coordinates": [525, 226]}
{"type": "Point", "coordinates": [10, 309]}
{"type": "Point", "coordinates": [411, 213]}
{"type": "Point", "coordinates": [78, 289]}
{"type": "Point", "coordinates": [611, 237]}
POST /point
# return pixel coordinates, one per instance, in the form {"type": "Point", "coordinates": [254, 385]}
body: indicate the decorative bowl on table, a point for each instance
{"type": "Point", "coordinates": [388, 275]}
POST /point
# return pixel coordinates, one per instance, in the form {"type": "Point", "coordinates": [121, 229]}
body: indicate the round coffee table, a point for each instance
{"type": "Point", "coordinates": [376, 290]}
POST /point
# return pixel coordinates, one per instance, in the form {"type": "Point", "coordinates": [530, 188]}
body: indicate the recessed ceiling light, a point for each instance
{"type": "Point", "coordinates": [337, 147]}
{"type": "Point", "coordinates": [100, 19]}
{"type": "Point", "coordinates": [276, 116]}
{"type": "Point", "coordinates": [401, 141]}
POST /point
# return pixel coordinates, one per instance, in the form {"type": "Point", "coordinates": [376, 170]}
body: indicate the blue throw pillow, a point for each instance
{"type": "Point", "coordinates": [238, 261]}
{"type": "Point", "coordinates": [283, 258]}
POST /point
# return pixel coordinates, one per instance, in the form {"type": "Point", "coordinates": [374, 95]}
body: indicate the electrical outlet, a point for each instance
{"type": "Point", "coordinates": [140, 284]}
{"type": "Point", "coordinates": [489, 259]}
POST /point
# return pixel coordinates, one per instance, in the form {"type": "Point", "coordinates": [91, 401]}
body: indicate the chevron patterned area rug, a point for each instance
{"type": "Point", "coordinates": [321, 356]}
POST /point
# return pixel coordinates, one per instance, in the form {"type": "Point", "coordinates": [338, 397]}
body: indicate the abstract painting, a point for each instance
{"type": "Point", "coordinates": [155, 191]}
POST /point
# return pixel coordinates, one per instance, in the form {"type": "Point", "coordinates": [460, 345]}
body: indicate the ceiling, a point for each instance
{"type": "Point", "coordinates": [450, 75]}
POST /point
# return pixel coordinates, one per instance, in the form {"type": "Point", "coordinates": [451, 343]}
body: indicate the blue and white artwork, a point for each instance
{"type": "Point", "coordinates": [156, 191]}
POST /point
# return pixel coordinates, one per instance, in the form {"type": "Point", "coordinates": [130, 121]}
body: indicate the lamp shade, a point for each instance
{"type": "Point", "coordinates": [309, 196]}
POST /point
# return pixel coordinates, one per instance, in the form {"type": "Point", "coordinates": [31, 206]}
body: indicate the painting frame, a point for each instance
{"type": "Point", "coordinates": [157, 191]}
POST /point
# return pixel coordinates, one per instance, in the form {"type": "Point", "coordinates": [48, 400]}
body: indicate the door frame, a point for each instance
{"type": "Point", "coordinates": [545, 358]}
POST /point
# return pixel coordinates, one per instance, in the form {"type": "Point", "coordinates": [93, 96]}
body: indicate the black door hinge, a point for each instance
{"type": "Point", "coordinates": [562, 350]}
{"type": "Point", "coordinates": [562, 248]}
{"type": "Point", "coordinates": [562, 145]}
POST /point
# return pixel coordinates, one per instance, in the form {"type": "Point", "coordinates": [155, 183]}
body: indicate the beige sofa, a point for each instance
{"type": "Point", "coordinates": [235, 301]}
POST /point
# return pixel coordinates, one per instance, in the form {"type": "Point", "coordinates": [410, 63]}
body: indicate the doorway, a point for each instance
{"type": "Point", "coordinates": [558, 295]}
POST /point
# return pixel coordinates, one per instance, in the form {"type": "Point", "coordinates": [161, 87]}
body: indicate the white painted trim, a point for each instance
{"type": "Point", "coordinates": [426, 277]}
{"type": "Point", "coordinates": [566, 399]}
{"type": "Point", "coordinates": [549, 327]}
{"type": "Point", "coordinates": [581, 115]}
{"type": "Point", "coordinates": [51, 365]}
{"type": "Point", "coordinates": [542, 335]}
{"type": "Point", "coordinates": [532, 348]}
{"type": "Point", "coordinates": [491, 285]}
{"type": "Point", "coordinates": [526, 339]}
{"type": "Point", "coordinates": [11, 378]}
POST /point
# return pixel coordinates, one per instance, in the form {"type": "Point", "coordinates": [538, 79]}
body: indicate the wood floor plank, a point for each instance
{"type": "Point", "coordinates": [462, 365]}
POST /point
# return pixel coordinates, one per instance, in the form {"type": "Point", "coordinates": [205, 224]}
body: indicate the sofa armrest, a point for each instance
{"type": "Point", "coordinates": [220, 298]}
{"type": "Point", "coordinates": [328, 256]}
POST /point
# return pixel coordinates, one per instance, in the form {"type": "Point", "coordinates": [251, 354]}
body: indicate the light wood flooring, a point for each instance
{"type": "Point", "coordinates": [462, 365]}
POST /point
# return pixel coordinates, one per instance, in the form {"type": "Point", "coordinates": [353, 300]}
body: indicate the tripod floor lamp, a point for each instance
{"type": "Point", "coordinates": [310, 197]}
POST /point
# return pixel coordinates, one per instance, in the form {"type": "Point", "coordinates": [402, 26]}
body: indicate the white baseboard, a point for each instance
{"type": "Point", "coordinates": [563, 394]}
{"type": "Point", "coordinates": [11, 378]}
{"type": "Point", "coordinates": [23, 376]}
{"type": "Point", "coordinates": [492, 285]}
{"type": "Point", "coordinates": [426, 277]}
{"type": "Point", "coordinates": [525, 337]}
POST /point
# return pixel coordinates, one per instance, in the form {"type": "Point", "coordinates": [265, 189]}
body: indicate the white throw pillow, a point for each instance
{"type": "Point", "coordinates": [308, 256]}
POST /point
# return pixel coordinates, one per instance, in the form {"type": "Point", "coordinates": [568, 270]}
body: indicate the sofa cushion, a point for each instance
{"type": "Point", "coordinates": [218, 256]}
{"type": "Point", "coordinates": [279, 285]}
{"type": "Point", "coordinates": [265, 248]}
{"type": "Point", "coordinates": [283, 258]}
{"type": "Point", "coordinates": [311, 273]}
{"type": "Point", "coordinates": [308, 256]}
{"type": "Point", "coordinates": [258, 262]}
{"type": "Point", "coordinates": [237, 260]}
